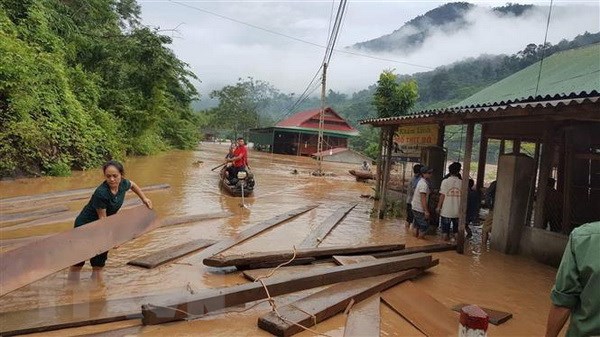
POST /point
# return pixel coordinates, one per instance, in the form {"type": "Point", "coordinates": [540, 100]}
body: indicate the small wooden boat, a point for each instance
{"type": "Point", "coordinates": [362, 175]}
{"type": "Point", "coordinates": [234, 186]}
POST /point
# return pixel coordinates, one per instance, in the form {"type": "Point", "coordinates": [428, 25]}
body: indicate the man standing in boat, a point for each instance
{"type": "Point", "coordinates": [239, 160]}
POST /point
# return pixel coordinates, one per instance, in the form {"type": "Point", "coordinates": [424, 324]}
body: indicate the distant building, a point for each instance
{"type": "Point", "coordinates": [343, 155]}
{"type": "Point", "coordinates": [298, 134]}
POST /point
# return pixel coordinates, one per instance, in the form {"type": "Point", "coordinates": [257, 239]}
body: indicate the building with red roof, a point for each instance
{"type": "Point", "coordinates": [298, 134]}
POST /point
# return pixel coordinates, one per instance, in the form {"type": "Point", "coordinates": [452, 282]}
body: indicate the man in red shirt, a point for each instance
{"type": "Point", "coordinates": [240, 158]}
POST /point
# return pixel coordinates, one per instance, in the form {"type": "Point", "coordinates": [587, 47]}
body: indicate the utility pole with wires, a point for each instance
{"type": "Point", "coordinates": [321, 122]}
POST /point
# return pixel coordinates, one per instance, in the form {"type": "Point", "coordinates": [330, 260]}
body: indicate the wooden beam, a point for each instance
{"type": "Point", "coordinates": [386, 172]}
{"type": "Point", "coordinates": [517, 146]}
{"type": "Point", "coordinates": [64, 196]}
{"type": "Point", "coordinates": [186, 219]}
{"type": "Point", "coordinates": [502, 147]}
{"type": "Point", "coordinates": [284, 255]}
{"type": "Point", "coordinates": [531, 202]}
{"type": "Point", "coordinates": [81, 314]}
{"type": "Point", "coordinates": [423, 311]}
{"type": "Point", "coordinates": [545, 168]}
{"type": "Point", "coordinates": [252, 231]}
{"type": "Point", "coordinates": [26, 264]}
{"type": "Point", "coordinates": [567, 180]}
{"type": "Point", "coordinates": [253, 274]}
{"type": "Point", "coordinates": [436, 247]}
{"type": "Point", "coordinates": [496, 317]}
{"type": "Point", "coordinates": [364, 318]}
{"type": "Point", "coordinates": [169, 254]}
{"type": "Point", "coordinates": [7, 220]}
{"type": "Point", "coordinates": [327, 303]}
{"type": "Point", "coordinates": [316, 236]}
{"type": "Point", "coordinates": [483, 149]}
{"type": "Point", "coordinates": [460, 237]}
{"type": "Point", "coordinates": [216, 299]}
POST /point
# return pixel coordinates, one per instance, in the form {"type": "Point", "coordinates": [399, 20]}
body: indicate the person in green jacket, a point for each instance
{"type": "Point", "coordinates": [106, 201]}
{"type": "Point", "coordinates": [576, 292]}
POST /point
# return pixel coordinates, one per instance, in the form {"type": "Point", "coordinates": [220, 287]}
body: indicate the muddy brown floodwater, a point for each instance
{"type": "Point", "coordinates": [490, 279]}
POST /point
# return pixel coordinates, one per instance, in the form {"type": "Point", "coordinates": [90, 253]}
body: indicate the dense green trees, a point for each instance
{"type": "Point", "coordinates": [82, 81]}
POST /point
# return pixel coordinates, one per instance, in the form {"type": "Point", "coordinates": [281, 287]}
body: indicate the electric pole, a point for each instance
{"type": "Point", "coordinates": [321, 122]}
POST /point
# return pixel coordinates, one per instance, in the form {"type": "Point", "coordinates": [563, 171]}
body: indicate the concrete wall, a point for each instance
{"type": "Point", "coordinates": [542, 245]}
{"type": "Point", "coordinates": [515, 173]}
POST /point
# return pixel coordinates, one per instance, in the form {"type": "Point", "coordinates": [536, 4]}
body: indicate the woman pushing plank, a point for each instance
{"type": "Point", "coordinates": [106, 201]}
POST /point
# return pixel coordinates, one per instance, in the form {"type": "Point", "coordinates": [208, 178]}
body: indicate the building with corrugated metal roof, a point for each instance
{"type": "Point", "coordinates": [554, 105]}
{"type": "Point", "coordinates": [298, 134]}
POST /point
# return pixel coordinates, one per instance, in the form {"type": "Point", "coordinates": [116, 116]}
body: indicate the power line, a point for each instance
{"type": "Point", "coordinates": [537, 85]}
{"type": "Point", "coordinates": [297, 39]}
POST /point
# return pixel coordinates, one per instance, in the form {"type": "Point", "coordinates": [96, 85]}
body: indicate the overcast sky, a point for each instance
{"type": "Point", "coordinates": [219, 51]}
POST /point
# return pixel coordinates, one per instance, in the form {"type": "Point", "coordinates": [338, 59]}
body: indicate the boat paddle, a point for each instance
{"type": "Point", "coordinates": [216, 167]}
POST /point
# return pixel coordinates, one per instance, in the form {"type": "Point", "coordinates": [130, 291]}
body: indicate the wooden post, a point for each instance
{"type": "Point", "coordinates": [531, 203]}
{"type": "Point", "coordinates": [502, 146]}
{"type": "Point", "coordinates": [516, 146]}
{"type": "Point", "coordinates": [386, 171]}
{"type": "Point", "coordinates": [568, 162]}
{"type": "Point", "coordinates": [379, 163]}
{"type": "Point", "coordinates": [460, 239]}
{"type": "Point", "coordinates": [441, 134]}
{"type": "Point", "coordinates": [545, 168]}
{"type": "Point", "coordinates": [483, 146]}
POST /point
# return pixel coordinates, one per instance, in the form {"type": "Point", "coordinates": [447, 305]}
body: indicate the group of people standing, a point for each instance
{"type": "Point", "coordinates": [448, 205]}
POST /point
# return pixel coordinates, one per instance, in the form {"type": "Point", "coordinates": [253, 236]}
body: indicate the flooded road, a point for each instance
{"type": "Point", "coordinates": [483, 277]}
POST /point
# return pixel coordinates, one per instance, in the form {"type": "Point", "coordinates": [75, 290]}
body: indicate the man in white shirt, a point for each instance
{"type": "Point", "coordinates": [419, 203]}
{"type": "Point", "coordinates": [449, 203]}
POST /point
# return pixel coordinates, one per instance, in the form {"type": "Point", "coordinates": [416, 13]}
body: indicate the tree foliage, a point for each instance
{"type": "Point", "coordinates": [392, 98]}
{"type": "Point", "coordinates": [82, 81]}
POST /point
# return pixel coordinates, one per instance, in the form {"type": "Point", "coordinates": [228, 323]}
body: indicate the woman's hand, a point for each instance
{"type": "Point", "coordinates": [147, 202]}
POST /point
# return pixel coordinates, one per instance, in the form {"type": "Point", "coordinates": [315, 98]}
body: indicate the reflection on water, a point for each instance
{"type": "Point", "coordinates": [487, 278]}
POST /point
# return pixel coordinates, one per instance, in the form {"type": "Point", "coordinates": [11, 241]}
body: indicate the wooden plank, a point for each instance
{"type": "Point", "coordinates": [496, 317]}
{"type": "Point", "coordinates": [252, 231]}
{"type": "Point", "coordinates": [296, 262]}
{"type": "Point", "coordinates": [284, 255]}
{"type": "Point", "coordinates": [40, 213]}
{"type": "Point", "coordinates": [24, 265]}
{"type": "Point", "coordinates": [186, 219]}
{"type": "Point", "coordinates": [169, 254]}
{"type": "Point", "coordinates": [316, 236]}
{"type": "Point", "coordinates": [62, 217]}
{"type": "Point", "coordinates": [80, 314]}
{"type": "Point", "coordinates": [69, 195]}
{"type": "Point", "coordinates": [253, 274]}
{"type": "Point", "coordinates": [326, 303]}
{"type": "Point", "coordinates": [436, 247]}
{"type": "Point", "coordinates": [464, 194]}
{"type": "Point", "coordinates": [364, 318]}
{"type": "Point", "coordinates": [346, 260]}
{"type": "Point", "coordinates": [423, 311]}
{"type": "Point", "coordinates": [216, 299]}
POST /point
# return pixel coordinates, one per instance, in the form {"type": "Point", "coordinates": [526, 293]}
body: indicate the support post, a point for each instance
{"type": "Point", "coordinates": [545, 168]}
{"type": "Point", "coordinates": [568, 162]}
{"type": "Point", "coordinates": [483, 147]}
{"type": "Point", "coordinates": [531, 203]}
{"type": "Point", "coordinates": [516, 146]}
{"type": "Point", "coordinates": [502, 147]}
{"type": "Point", "coordinates": [464, 194]}
{"type": "Point", "coordinates": [389, 143]}
{"type": "Point", "coordinates": [321, 121]}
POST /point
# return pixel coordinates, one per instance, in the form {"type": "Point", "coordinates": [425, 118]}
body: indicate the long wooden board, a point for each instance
{"type": "Point", "coordinates": [253, 274]}
{"type": "Point", "coordinates": [364, 318]}
{"type": "Point", "coordinates": [81, 314]}
{"type": "Point", "coordinates": [496, 317]}
{"type": "Point", "coordinates": [8, 219]}
{"type": "Point", "coordinates": [436, 247]}
{"type": "Point", "coordinates": [186, 219]}
{"type": "Point", "coordinates": [423, 311]}
{"type": "Point", "coordinates": [31, 262]}
{"type": "Point", "coordinates": [326, 303]}
{"type": "Point", "coordinates": [346, 260]}
{"type": "Point", "coordinates": [284, 255]}
{"type": "Point", "coordinates": [252, 231]}
{"type": "Point", "coordinates": [215, 299]}
{"type": "Point", "coordinates": [62, 217]}
{"type": "Point", "coordinates": [169, 254]}
{"type": "Point", "coordinates": [69, 195]}
{"type": "Point", "coordinates": [316, 236]}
